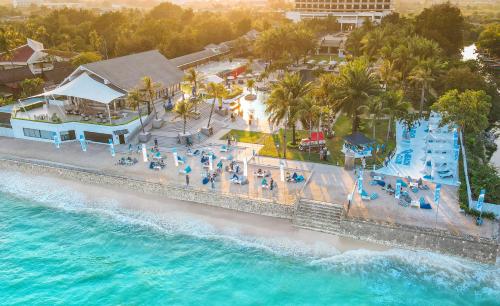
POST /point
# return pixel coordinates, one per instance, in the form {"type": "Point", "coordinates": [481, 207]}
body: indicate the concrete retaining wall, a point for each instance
{"type": "Point", "coordinates": [229, 201]}
{"type": "Point", "coordinates": [479, 249]}
{"type": "Point", "coordinates": [6, 132]}
{"type": "Point", "coordinates": [484, 250]}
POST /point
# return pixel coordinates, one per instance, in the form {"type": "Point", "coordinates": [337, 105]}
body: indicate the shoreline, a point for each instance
{"type": "Point", "coordinates": [363, 233]}
{"type": "Point", "coordinates": [221, 221]}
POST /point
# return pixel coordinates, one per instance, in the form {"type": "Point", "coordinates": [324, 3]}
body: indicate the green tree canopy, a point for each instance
{"type": "Point", "coordinates": [30, 87]}
{"type": "Point", "coordinates": [444, 24]}
{"type": "Point", "coordinates": [85, 58]}
{"type": "Point", "coordinates": [489, 39]}
{"type": "Point", "coordinates": [468, 109]}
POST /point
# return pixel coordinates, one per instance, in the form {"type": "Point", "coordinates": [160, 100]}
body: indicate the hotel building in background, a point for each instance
{"type": "Point", "coordinates": [349, 13]}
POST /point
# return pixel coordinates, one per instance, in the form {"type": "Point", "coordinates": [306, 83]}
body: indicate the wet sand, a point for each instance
{"type": "Point", "coordinates": [223, 221]}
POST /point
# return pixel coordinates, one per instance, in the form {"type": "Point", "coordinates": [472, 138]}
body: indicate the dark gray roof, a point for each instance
{"type": "Point", "coordinates": [193, 57]}
{"type": "Point", "coordinates": [358, 139]}
{"type": "Point", "coordinates": [126, 72]}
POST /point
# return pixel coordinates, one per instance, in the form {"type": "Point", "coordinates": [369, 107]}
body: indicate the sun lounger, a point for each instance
{"type": "Point", "coordinates": [446, 176]}
{"type": "Point", "coordinates": [444, 171]}
{"type": "Point", "coordinates": [423, 204]}
{"type": "Point", "coordinates": [399, 159]}
{"type": "Point", "coordinates": [365, 195]}
{"type": "Point", "coordinates": [186, 170]}
{"type": "Point", "coordinates": [194, 153]}
{"type": "Point", "coordinates": [414, 204]}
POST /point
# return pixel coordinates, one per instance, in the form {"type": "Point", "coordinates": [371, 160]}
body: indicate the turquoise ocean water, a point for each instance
{"type": "Point", "coordinates": [57, 249]}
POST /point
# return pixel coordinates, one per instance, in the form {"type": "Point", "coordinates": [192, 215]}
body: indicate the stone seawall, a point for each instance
{"type": "Point", "coordinates": [479, 249]}
{"type": "Point", "coordinates": [396, 235]}
{"type": "Point", "coordinates": [229, 201]}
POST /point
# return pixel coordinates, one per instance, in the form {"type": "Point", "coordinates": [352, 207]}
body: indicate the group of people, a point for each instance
{"type": "Point", "coordinates": [269, 185]}
{"type": "Point", "coordinates": [233, 167]}
{"type": "Point", "coordinates": [323, 153]}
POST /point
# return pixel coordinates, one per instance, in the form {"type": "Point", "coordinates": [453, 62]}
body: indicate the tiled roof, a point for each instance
{"type": "Point", "coordinates": [126, 72]}
{"type": "Point", "coordinates": [20, 54]}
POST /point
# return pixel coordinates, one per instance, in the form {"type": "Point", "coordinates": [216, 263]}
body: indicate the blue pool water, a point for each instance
{"type": "Point", "coordinates": [56, 249]}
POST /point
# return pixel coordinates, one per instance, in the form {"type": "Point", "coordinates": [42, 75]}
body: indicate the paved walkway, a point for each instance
{"type": "Point", "coordinates": [326, 183]}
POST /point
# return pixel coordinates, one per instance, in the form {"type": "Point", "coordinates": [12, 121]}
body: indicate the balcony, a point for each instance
{"type": "Point", "coordinates": [88, 113]}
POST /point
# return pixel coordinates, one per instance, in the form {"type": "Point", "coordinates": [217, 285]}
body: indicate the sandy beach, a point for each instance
{"type": "Point", "coordinates": [218, 221]}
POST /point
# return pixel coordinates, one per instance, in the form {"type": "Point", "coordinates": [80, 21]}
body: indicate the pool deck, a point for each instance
{"type": "Point", "coordinates": [326, 183]}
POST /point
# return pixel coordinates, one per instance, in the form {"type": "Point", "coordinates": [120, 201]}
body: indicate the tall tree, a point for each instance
{"type": "Point", "coordinates": [444, 24]}
{"type": "Point", "coordinates": [424, 74]}
{"type": "Point", "coordinates": [185, 110]}
{"type": "Point", "coordinates": [150, 88]}
{"type": "Point", "coordinates": [134, 100]}
{"type": "Point", "coordinates": [489, 39]}
{"type": "Point", "coordinates": [216, 91]}
{"type": "Point", "coordinates": [250, 85]}
{"type": "Point", "coordinates": [282, 104]}
{"type": "Point", "coordinates": [468, 109]}
{"type": "Point", "coordinates": [375, 109]}
{"type": "Point", "coordinates": [356, 85]}
{"type": "Point", "coordinates": [396, 107]}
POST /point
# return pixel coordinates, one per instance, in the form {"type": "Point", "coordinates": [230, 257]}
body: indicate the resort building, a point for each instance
{"type": "Point", "coordinates": [349, 13]}
{"type": "Point", "coordinates": [332, 44]}
{"type": "Point", "coordinates": [34, 56]}
{"type": "Point", "coordinates": [211, 52]}
{"type": "Point", "coordinates": [29, 61]}
{"type": "Point", "coordinates": [91, 101]}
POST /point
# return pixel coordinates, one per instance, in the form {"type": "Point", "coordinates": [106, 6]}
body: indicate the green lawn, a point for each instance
{"type": "Point", "coordinates": [273, 143]}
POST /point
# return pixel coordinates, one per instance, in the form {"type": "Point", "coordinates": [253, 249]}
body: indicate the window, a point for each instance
{"type": "Point", "coordinates": [68, 135]}
{"type": "Point", "coordinates": [38, 133]}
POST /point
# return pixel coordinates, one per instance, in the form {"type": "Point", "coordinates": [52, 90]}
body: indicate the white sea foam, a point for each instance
{"type": "Point", "coordinates": [50, 193]}
{"type": "Point", "coordinates": [419, 265]}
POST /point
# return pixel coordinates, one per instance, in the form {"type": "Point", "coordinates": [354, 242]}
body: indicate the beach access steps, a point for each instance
{"type": "Point", "coordinates": [318, 216]}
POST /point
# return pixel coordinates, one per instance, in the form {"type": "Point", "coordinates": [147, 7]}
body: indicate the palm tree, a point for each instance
{"type": "Point", "coordinates": [375, 109]}
{"type": "Point", "coordinates": [193, 78]}
{"type": "Point", "coordinates": [309, 113]}
{"type": "Point", "coordinates": [216, 91]}
{"type": "Point", "coordinates": [356, 84]}
{"type": "Point", "coordinates": [134, 99]}
{"type": "Point", "coordinates": [184, 110]}
{"type": "Point", "coordinates": [149, 88]}
{"type": "Point", "coordinates": [396, 106]}
{"type": "Point", "coordinates": [250, 85]}
{"type": "Point", "coordinates": [373, 42]}
{"type": "Point", "coordinates": [424, 74]}
{"type": "Point", "coordinates": [282, 104]}
{"type": "Point", "coordinates": [388, 73]}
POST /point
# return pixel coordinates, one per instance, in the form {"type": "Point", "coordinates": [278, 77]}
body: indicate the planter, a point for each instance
{"type": "Point", "coordinates": [184, 137]}
{"type": "Point", "coordinates": [157, 123]}
{"type": "Point", "coordinates": [144, 137]}
{"type": "Point", "coordinates": [222, 112]}
{"type": "Point", "coordinates": [207, 131]}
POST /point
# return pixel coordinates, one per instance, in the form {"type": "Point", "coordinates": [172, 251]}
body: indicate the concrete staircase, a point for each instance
{"type": "Point", "coordinates": [318, 216]}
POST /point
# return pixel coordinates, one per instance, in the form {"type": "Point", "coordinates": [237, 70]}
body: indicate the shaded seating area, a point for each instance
{"type": "Point", "coordinates": [356, 145]}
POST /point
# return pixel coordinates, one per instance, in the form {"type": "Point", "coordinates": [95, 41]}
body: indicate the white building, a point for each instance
{"type": "Point", "coordinates": [91, 102]}
{"type": "Point", "coordinates": [349, 13]}
{"type": "Point", "coordinates": [25, 3]}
